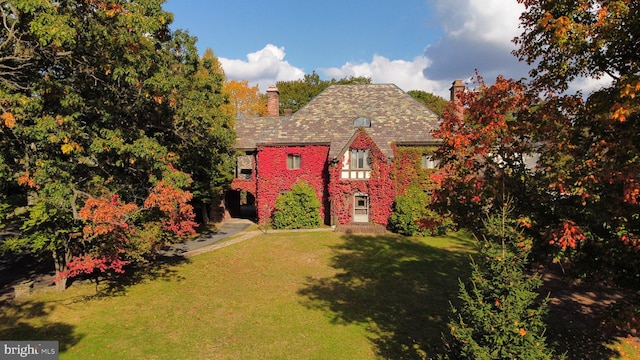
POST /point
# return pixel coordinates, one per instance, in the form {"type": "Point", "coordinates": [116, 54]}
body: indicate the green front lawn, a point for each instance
{"type": "Point", "coordinates": [316, 295]}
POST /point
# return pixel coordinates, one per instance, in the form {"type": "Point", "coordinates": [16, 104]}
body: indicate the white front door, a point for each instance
{"type": "Point", "coordinates": [360, 208]}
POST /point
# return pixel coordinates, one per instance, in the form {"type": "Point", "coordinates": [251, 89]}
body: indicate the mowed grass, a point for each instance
{"type": "Point", "coordinates": [310, 295]}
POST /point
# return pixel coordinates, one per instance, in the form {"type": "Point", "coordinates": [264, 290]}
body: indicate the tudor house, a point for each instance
{"type": "Point", "coordinates": [358, 145]}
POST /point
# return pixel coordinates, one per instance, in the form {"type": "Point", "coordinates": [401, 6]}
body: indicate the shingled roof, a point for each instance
{"type": "Point", "coordinates": [329, 118]}
{"type": "Point", "coordinates": [252, 130]}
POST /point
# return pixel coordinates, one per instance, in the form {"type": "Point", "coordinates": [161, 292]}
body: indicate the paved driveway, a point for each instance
{"type": "Point", "coordinates": [228, 229]}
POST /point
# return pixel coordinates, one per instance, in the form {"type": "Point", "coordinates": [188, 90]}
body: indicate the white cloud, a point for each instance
{"type": "Point", "coordinates": [477, 35]}
{"type": "Point", "coordinates": [264, 67]}
{"type": "Point", "coordinates": [405, 74]}
{"type": "Point", "coordinates": [589, 85]}
{"type": "Point", "coordinates": [486, 21]}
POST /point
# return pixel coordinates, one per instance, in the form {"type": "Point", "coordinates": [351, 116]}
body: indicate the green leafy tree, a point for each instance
{"type": "Point", "coordinates": [199, 131]}
{"type": "Point", "coordinates": [297, 93]}
{"type": "Point", "coordinates": [297, 209]}
{"type": "Point", "coordinates": [412, 214]}
{"type": "Point", "coordinates": [95, 105]}
{"type": "Point", "coordinates": [434, 102]}
{"type": "Point", "coordinates": [500, 315]}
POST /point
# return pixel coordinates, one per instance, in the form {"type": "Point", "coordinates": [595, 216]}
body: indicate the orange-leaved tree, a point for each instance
{"type": "Point", "coordinates": [485, 148]}
{"type": "Point", "coordinates": [580, 188]}
{"type": "Point", "coordinates": [117, 233]}
{"type": "Point", "coordinates": [590, 161]}
{"type": "Point", "coordinates": [244, 100]}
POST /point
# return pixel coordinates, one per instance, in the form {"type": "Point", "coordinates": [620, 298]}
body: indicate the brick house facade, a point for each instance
{"type": "Point", "coordinates": [358, 145]}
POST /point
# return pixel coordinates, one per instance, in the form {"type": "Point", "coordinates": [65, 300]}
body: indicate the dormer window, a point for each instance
{"type": "Point", "coordinates": [361, 122]}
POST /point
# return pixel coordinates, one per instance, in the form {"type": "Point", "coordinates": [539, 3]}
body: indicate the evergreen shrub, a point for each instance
{"type": "Point", "coordinates": [412, 215]}
{"type": "Point", "coordinates": [297, 209]}
{"type": "Point", "coordinates": [500, 316]}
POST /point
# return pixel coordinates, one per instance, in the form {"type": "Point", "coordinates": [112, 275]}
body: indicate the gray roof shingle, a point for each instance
{"type": "Point", "coordinates": [328, 118]}
{"type": "Point", "coordinates": [252, 130]}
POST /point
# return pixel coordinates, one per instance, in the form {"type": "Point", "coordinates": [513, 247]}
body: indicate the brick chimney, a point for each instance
{"type": "Point", "coordinates": [456, 87]}
{"type": "Point", "coordinates": [273, 101]}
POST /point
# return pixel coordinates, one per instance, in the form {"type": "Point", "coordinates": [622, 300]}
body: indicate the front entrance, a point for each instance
{"type": "Point", "coordinates": [360, 208]}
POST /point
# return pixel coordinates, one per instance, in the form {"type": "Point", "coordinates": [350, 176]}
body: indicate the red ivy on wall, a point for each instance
{"type": "Point", "coordinates": [274, 177]}
{"type": "Point", "coordinates": [386, 180]}
{"type": "Point", "coordinates": [248, 185]}
{"type": "Point", "coordinates": [244, 184]}
{"type": "Point", "coordinates": [380, 187]}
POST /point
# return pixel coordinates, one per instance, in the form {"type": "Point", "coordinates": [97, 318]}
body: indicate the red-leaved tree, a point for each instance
{"type": "Point", "coordinates": [174, 204]}
{"type": "Point", "coordinates": [485, 149]}
{"type": "Point", "coordinates": [118, 233]}
{"type": "Point", "coordinates": [105, 237]}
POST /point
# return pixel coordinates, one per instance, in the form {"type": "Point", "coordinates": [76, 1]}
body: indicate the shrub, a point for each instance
{"type": "Point", "coordinates": [412, 215]}
{"type": "Point", "coordinates": [500, 316]}
{"type": "Point", "coordinates": [297, 209]}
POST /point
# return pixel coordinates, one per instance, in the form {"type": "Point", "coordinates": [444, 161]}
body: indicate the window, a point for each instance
{"type": "Point", "coordinates": [359, 159]}
{"type": "Point", "coordinates": [293, 161]}
{"type": "Point", "coordinates": [361, 122]}
{"type": "Point", "coordinates": [428, 162]}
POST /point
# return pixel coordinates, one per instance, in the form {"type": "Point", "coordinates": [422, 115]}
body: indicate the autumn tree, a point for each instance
{"type": "Point", "coordinates": [591, 154]}
{"type": "Point", "coordinates": [580, 184]}
{"type": "Point", "coordinates": [244, 100]}
{"type": "Point", "coordinates": [200, 136]}
{"type": "Point", "coordinates": [94, 100]}
{"type": "Point", "coordinates": [485, 148]}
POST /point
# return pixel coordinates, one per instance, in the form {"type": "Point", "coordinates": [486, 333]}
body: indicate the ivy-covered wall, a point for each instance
{"type": "Point", "coordinates": [408, 168]}
{"type": "Point", "coordinates": [386, 180]}
{"type": "Point", "coordinates": [244, 184]}
{"type": "Point", "coordinates": [248, 185]}
{"type": "Point", "coordinates": [380, 187]}
{"type": "Point", "coordinates": [274, 177]}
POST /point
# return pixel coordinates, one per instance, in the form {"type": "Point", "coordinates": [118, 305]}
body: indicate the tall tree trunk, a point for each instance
{"type": "Point", "coordinates": [217, 211]}
{"type": "Point", "coordinates": [60, 259]}
{"type": "Point", "coordinates": [204, 213]}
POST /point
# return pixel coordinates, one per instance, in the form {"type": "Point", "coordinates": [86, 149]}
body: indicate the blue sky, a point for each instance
{"type": "Point", "coordinates": [315, 33]}
{"type": "Point", "coordinates": [415, 44]}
